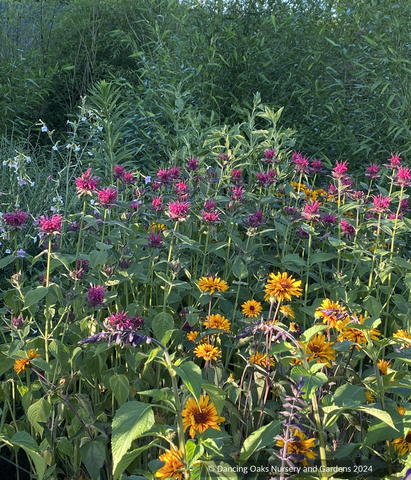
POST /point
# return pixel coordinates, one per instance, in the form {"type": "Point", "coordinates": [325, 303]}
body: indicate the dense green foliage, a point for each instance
{"type": "Point", "coordinates": [340, 69]}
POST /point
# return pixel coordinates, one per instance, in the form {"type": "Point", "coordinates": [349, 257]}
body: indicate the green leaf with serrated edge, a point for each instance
{"type": "Point", "coordinates": [348, 395]}
{"type": "Point", "coordinates": [127, 459]}
{"type": "Point", "coordinates": [131, 420]}
{"type": "Point", "coordinates": [380, 414]}
{"type": "Point", "coordinates": [190, 374]}
{"type": "Point", "coordinates": [259, 439]}
{"type": "Point", "coordinates": [120, 386]}
{"type": "Point", "coordinates": [217, 395]}
{"type": "Point", "coordinates": [65, 446]}
{"type": "Point", "coordinates": [163, 325]}
{"type": "Point", "coordinates": [239, 268]}
{"type": "Point", "coordinates": [38, 413]}
{"type": "Point", "coordinates": [98, 257]}
{"type": "Point", "coordinates": [29, 445]}
{"type": "Point", "coordinates": [311, 332]}
{"type": "Point", "coordinates": [194, 452]}
{"type": "Point", "coordinates": [93, 454]}
{"type": "Point", "coordinates": [33, 297]}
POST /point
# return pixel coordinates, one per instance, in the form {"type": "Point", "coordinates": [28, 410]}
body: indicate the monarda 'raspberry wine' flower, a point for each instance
{"type": "Point", "coordinates": [209, 206]}
{"type": "Point", "coordinates": [329, 219]}
{"type": "Point", "coordinates": [403, 177]}
{"type": "Point", "coordinates": [347, 229]}
{"type": "Point", "coordinates": [255, 220]}
{"type": "Point", "coordinates": [86, 184]}
{"type": "Point", "coordinates": [236, 175]}
{"type": "Point", "coordinates": [119, 172]}
{"type": "Point", "coordinates": [268, 156]}
{"type": "Point", "coordinates": [50, 225]}
{"type": "Point", "coordinates": [157, 204]}
{"type": "Point", "coordinates": [155, 240]}
{"type": "Point", "coordinates": [381, 204]}
{"type": "Point", "coordinates": [373, 171]}
{"type": "Point", "coordinates": [178, 211]}
{"type": "Point", "coordinates": [107, 197]}
{"type": "Point", "coordinates": [211, 218]}
{"type": "Point", "coordinates": [192, 164]}
{"type": "Point", "coordinates": [174, 173]}
{"type": "Point", "coordinates": [316, 166]}
{"type": "Point", "coordinates": [301, 163]}
{"type": "Point", "coordinates": [340, 170]}
{"type": "Point", "coordinates": [395, 162]}
{"type": "Point", "coordinates": [164, 176]}
{"type": "Point", "coordinates": [95, 295]}
{"type": "Point", "coordinates": [15, 220]}
{"type": "Point", "coordinates": [237, 194]}
{"type": "Point", "coordinates": [120, 321]}
{"type": "Point", "coordinates": [128, 178]}
{"type": "Point", "coordinates": [181, 189]}
{"type": "Point", "coordinates": [310, 212]}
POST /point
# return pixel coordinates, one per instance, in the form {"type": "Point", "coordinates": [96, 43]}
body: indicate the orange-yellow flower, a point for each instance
{"type": "Point", "coordinates": [354, 335]}
{"type": "Point", "coordinates": [320, 350]}
{"type": "Point", "coordinates": [200, 417]}
{"type": "Point", "coordinates": [21, 364]}
{"type": "Point", "coordinates": [208, 352]}
{"type": "Point", "coordinates": [173, 467]}
{"type": "Point", "coordinates": [282, 287]}
{"type": "Point", "coordinates": [383, 366]}
{"type": "Point", "coordinates": [217, 321]}
{"type": "Point", "coordinates": [403, 335]}
{"type": "Point", "coordinates": [332, 313]}
{"type": "Point", "coordinates": [261, 359]}
{"type": "Point", "coordinates": [370, 397]}
{"type": "Point", "coordinates": [302, 446]}
{"type": "Point", "coordinates": [287, 311]}
{"type": "Point", "coordinates": [401, 410]}
{"type": "Point", "coordinates": [192, 335]}
{"type": "Point", "coordinates": [211, 284]}
{"type": "Point", "coordinates": [403, 444]}
{"type": "Point", "coordinates": [251, 308]}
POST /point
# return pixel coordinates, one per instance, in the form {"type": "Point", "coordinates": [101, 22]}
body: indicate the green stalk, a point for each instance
{"type": "Point", "coordinates": [317, 417]}
{"type": "Point", "coordinates": [339, 226]}
{"type": "Point", "coordinates": [396, 221]}
{"type": "Point", "coordinates": [307, 277]}
{"type": "Point", "coordinates": [47, 325]}
{"type": "Point", "coordinates": [374, 255]}
{"type": "Point", "coordinates": [205, 252]}
{"type": "Point", "coordinates": [81, 229]}
{"type": "Point", "coordinates": [382, 400]}
{"type": "Point", "coordinates": [104, 227]}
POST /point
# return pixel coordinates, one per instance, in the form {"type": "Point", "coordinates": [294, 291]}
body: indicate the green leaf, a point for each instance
{"type": "Point", "coordinates": [127, 459]}
{"type": "Point", "coordinates": [321, 257]}
{"type": "Point", "coordinates": [239, 268]}
{"type": "Point", "coordinates": [6, 260]}
{"type": "Point", "coordinates": [259, 439]}
{"type": "Point", "coordinates": [98, 257]}
{"type": "Point", "coordinates": [120, 386]}
{"type": "Point", "coordinates": [130, 421]}
{"type": "Point", "coordinates": [217, 396]}
{"type": "Point", "coordinates": [65, 446]}
{"type": "Point", "coordinates": [34, 296]}
{"type": "Point", "coordinates": [311, 332]}
{"type": "Point", "coordinates": [312, 382]}
{"type": "Point", "coordinates": [380, 414]}
{"type": "Point", "coordinates": [162, 326]}
{"type": "Point", "coordinates": [93, 454]}
{"type": "Point", "coordinates": [29, 445]}
{"type": "Point", "coordinates": [373, 306]}
{"type": "Point", "coordinates": [190, 374]}
{"type": "Point", "coordinates": [38, 413]}
{"type": "Point", "coordinates": [348, 395]}
{"type": "Point", "coordinates": [211, 470]}
{"type": "Point", "coordinates": [194, 452]}
{"type": "Point", "coordinates": [345, 450]}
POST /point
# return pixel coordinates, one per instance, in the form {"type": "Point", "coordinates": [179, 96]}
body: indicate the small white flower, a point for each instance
{"type": "Point", "coordinates": [34, 239]}
{"type": "Point", "coordinates": [54, 199]}
{"type": "Point", "coordinates": [17, 205]}
{"type": "Point", "coordinates": [4, 162]}
{"type": "Point", "coordinates": [90, 154]}
{"type": "Point", "coordinates": [68, 146]}
{"type": "Point", "coordinates": [32, 184]}
{"type": "Point", "coordinates": [28, 159]}
{"type": "Point", "coordinates": [14, 166]}
{"type": "Point", "coordinates": [8, 251]}
{"type": "Point", "coordinates": [44, 128]}
{"type": "Point", "coordinates": [77, 149]}
{"type": "Point", "coordinates": [92, 202]}
{"type": "Point", "coordinates": [55, 147]}
{"type": "Point", "coordinates": [100, 129]}
{"type": "Point", "coordinates": [83, 119]}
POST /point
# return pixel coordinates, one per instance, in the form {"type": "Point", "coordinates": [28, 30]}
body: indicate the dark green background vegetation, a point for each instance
{"type": "Point", "coordinates": [341, 69]}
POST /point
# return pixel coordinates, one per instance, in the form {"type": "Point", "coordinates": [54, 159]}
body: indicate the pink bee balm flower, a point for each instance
{"type": "Point", "coordinates": [393, 216]}
{"type": "Point", "coordinates": [268, 156]}
{"type": "Point", "coordinates": [301, 163]}
{"type": "Point", "coordinates": [181, 189]}
{"type": "Point", "coordinates": [373, 171]}
{"type": "Point", "coordinates": [255, 220]}
{"type": "Point", "coordinates": [95, 295]}
{"type": "Point", "coordinates": [237, 194]}
{"type": "Point", "coordinates": [157, 204]}
{"type": "Point", "coordinates": [119, 172]}
{"type": "Point", "coordinates": [395, 162]}
{"type": "Point", "coordinates": [155, 240]}
{"type": "Point", "coordinates": [107, 197]}
{"type": "Point", "coordinates": [15, 220]}
{"type": "Point", "coordinates": [120, 321]}
{"type": "Point", "coordinates": [178, 210]}
{"type": "Point", "coordinates": [236, 175]}
{"type": "Point", "coordinates": [347, 229]}
{"type": "Point", "coordinates": [192, 164]}
{"type": "Point", "coordinates": [86, 184]}
{"type": "Point", "coordinates": [403, 177]}
{"type": "Point", "coordinates": [210, 217]}
{"type": "Point", "coordinates": [339, 170]}
{"type": "Point", "coordinates": [164, 176]}
{"type": "Point", "coordinates": [209, 206]}
{"type": "Point", "coordinates": [317, 166]}
{"type": "Point", "coordinates": [50, 225]}
{"type": "Point", "coordinates": [310, 212]}
{"type": "Point", "coordinates": [329, 219]}
{"type": "Point", "coordinates": [128, 178]}
{"type": "Point", "coordinates": [175, 172]}
{"type": "Point", "coordinates": [381, 203]}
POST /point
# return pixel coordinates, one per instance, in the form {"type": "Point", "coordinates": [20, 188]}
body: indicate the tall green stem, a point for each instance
{"type": "Point", "coordinates": [81, 229]}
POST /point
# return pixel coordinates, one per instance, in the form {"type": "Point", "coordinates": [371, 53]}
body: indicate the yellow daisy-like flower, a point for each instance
{"type": "Point", "coordinates": [401, 410]}
{"type": "Point", "coordinates": [403, 444]}
{"type": "Point", "coordinates": [295, 328]}
{"type": "Point", "coordinates": [156, 227]}
{"type": "Point", "coordinates": [302, 446]}
{"type": "Point", "coordinates": [383, 366]}
{"type": "Point", "coordinates": [282, 287]}
{"type": "Point", "coordinates": [200, 417]}
{"type": "Point", "coordinates": [22, 363]}
{"type": "Point", "coordinates": [370, 397]}
{"type": "Point", "coordinates": [287, 311]}
{"type": "Point", "coordinates": [332, 313]}
{"type": "Point", "coordinates": [211, 284]}
{"type": "Point", "coordinates": [320, 350]}
{"type": "Point", "coordinates": [354, 335]}
{"type": "Point", "coordinates": [403, 335]}
{"type": "Point", "coordinates": [251, 308]}
{"type": "Point", "coordinates": [261, 359]}
{"type": "Point", "coordinates": [173, 467]}
{"type": "Point", "coordinates": [208, 352]}
{"type": "Point", "coordinates": [193, 335]}
{"type": "Point", "coordinates": [217, 321]}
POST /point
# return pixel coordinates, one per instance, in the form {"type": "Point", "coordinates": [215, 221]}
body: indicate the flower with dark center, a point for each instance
{"type": "Point", "coordinates": [198, 417]}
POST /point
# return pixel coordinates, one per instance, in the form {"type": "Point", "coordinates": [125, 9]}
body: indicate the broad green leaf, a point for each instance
{"type": "Point", "coordinates": [372, 305]}
{"type": "Point", "coordinates": [239, 268]}
{"type": "Point", "coordinates": [127, 459]}
{"type": "Point", "coordinates": [130, 421]}
{"type": "Point", "coordinates": [380, 414]}
{"type": "Point", "coordinates": [98, 257]}
{"type": "Point", "coordinates": [29, 445]}
{"type": "Point", "coordinates": [38, 413]}
{"type": "Point", "coordinates": [311, 332]}
{"type": "Point", "coordinates": [65, 446]}
{"type": "Point", "coordinates": [6, 261]}
{"type": "Point", "coordinates": [93, 454]}
{"type": "Point", "coordinates": [348, 395]}
{"type": "Point", "coordinates": [120, 386]}
{"type": "Point", "coordinates": [163, 325]}
{"type": "Point", "coordinates": [190, 374]}
{"type": "Point", "coordinates": [194, 452]}
{"type": "Point", "coordinates": [321, 257]}
{"type": "Point", "coordinates": [211, 470]}
{"type": "Point", "coordinates": [34, 296]}
{"type": "Point", "coordinates": [312, 382]}
{"type": "Point", "coordinates": [259, 439]}
{"type": "Point", "coordinates": [217, 395]}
